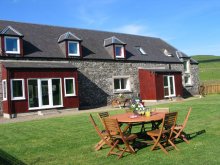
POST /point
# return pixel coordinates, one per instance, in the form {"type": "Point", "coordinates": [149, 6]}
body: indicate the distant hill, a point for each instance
{"type": "Point", "coordinates": [209, 68]}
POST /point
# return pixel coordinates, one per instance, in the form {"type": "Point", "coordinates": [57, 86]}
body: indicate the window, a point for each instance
{"type": "Point", "coordinates": [121, 84]}
{"type": "Point", "coordinates": [119, 51]}
{"type": "Point", "coordinates": [17, 89]}
{"type": "Point", "coordinates": [12, 45]}
{"type": "Point", "coordinates": [141, 50]}
{"type": "Point", "coordinates": [69, 87]}
{"type": "Point", "coordinates": [186, 65]}
{"type": "Point", "coordinates": [4, 89]}
{"type": "Point", "coordinates": [73, 48]}
{"type": "Point", "coordinates": [167, 53]}
{"type": "Point", "coordinates": [44, 93]}
{"type": "Point", "coordinates": [187, 79]}
{"type": "Point", "coordinates": [169, 86]}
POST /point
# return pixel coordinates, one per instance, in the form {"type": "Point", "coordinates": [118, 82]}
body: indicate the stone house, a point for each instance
{"type": "Point", "coordinates": [47, 67]}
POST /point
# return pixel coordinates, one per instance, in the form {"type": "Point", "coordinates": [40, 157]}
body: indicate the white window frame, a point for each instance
{"type": "Point", "coordinates": [169, 86]}
{"type": "Point", "coordinates": [122, 55]}
{"type": "Point", "coordinates": [127, 85]}
{"type": "Point", "coordinates": [40, 106]}
{"type": "Point", "coordinates": [187, 66]}
{"type": "Point", "coordinates": [23, 90]}
{"type": "Point", "coordinates": [4, 89]}
{"type": "Point", "coordinates": [74, 87]}
{"type": "Point", "coordinates": [78, 51]}
{"type": "Point", "coordinates": [18, 45]}
{"type": "Point", "coordinates": [189, 83]}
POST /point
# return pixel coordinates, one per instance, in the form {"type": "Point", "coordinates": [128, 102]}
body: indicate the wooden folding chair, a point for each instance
{"type": "Point", "coordinates": [178, 129]}
{"type": "Point", "coordinates": [163, 135]}
{"type": "Point", "coordinates": [164, 109]}
{"type": "Point", "coordinates": [115, 134]}
{"type": "Point", "coordinates": [155, 124]}
{"type": "Point", "coordinates": [102, 115]}
{"type": "Point", "coordinates": [105, 139]}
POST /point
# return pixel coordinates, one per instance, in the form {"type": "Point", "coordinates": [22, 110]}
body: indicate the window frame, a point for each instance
{"type": "Point", "coordinates": [50, 88]}
{"type": "Point", "coordinates": [122, 51]}
{"type": "Point", "coordinates": [189, 83]}
{"type": "Point", "coordinates": [187, 62]}
{"type": "Point", "coordinates": [18, 45]}
{"type": "Point", "coordinates": [127, 84]}
{"type": "Point", "coordinates": [4, 90]}
{"type": "Point", "coordinates": [74, 87]}
{"type": "Point", "coordinates": [23, 90]}
{"type": "Point", "coordinates": [78, 50]}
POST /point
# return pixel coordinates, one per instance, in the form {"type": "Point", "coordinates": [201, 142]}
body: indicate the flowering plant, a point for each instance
{"type": "Point", "coordinates": [137, 106]}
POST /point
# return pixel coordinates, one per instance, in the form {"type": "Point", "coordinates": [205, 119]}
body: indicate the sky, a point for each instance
{"type": "Point", "coordinates": [192, 26]}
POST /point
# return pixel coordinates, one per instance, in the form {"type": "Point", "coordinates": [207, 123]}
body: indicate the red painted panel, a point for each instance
{"type": "Point", "coordinates": [178, 85]}
{"type": "Point", "coordinates": [147, 85]}
{"type": "Point", "coordinates": [159, 86]}
{"type": "Point", "coordinates": [18, 106]}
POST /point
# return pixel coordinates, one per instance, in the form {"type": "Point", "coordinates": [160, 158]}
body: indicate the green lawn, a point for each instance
{"type": "Point", "coordinates": [209, 68]}
{"type": "Point", "coordinates": [70, 140]}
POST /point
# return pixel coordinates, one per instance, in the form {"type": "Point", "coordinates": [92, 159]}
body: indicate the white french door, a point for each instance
{"type": "Point", "coordinates": [44, 93]}
{"type": "Point", "coordinates": [169, 86]}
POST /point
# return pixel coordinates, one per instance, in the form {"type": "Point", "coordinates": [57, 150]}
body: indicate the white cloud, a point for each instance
{"type": "Point", "coordinates": [134, 29]}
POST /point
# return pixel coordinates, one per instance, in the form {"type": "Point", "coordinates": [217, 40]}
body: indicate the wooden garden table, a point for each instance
{"type": "Point", "coordinates": [130, 119]}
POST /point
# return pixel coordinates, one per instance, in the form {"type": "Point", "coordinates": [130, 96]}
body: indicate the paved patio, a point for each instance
{"type": "Point", "coordinates": [59, 113]}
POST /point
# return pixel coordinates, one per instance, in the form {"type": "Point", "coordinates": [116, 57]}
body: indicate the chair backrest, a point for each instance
{"type": "Point", "coordinates": [166, 110]}
{"type": "Point", "coordinates": [103, 115]}
{"type": "Point", "coordinates": [170, 120]}
{"type": "Point", "coordinates": [95, 126]}
{"type": "Point", "coordinates": [187, 117]}
{"type": "Point", "coordinates": [112, 126]}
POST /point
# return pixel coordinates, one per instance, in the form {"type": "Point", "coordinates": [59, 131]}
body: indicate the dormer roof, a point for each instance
{"type": "Point", "coordinates": [9, 30]}
{"type": "Point", "coordinates": [68, 36]}
{"type": "Point", "coordinates": [113, 40]}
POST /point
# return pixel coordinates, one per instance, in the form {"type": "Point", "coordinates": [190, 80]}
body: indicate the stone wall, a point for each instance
{"type": "Point", "coordinates": [96, 79]}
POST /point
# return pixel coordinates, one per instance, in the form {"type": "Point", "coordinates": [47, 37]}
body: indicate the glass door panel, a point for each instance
{"type": "Point", "coordinates": [56, 90]}
{"type": "Point", "coordinates": [33, 96]}
{"type": "Point", "coordinates": [171, 85]}
{"type": "Point", "coordinates": [44, 92]}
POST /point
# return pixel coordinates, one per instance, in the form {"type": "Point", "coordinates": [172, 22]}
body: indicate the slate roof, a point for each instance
{"type": "Point", "coordinates": [68, 36]}
{"type": "Point", "coordinates": [113, 40]}
{"type": "Point", "coordinates": [43, 65]}
{"type": "Point", "coordinates": [10, 31]}
{"type": "Point", "coordinates": [41, 41]}
{"type": "Point", "coordinates": [163, 71]}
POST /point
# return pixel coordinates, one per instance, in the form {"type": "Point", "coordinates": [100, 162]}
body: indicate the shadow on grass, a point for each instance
{"type": "Point", "coordinates": [7, 159]}
{"type": "Point", "coordinates": [195, 134]}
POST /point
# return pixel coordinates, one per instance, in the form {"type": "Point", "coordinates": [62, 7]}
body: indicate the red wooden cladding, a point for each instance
{"type": "Point", "coordinates": [18, 106]}
{"type": "Point", "coordinates": [152, 84]}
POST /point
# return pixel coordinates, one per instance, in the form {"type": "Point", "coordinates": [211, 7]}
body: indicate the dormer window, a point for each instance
{"type": "Point", "coordinates": [119, 51]}
{"type": "Point", "coordinates": [12, 42]}
{"type": "Point", "coordinates": [12, 45]}
{"type": "Point", "coordinates": [115, 47]}
{"type": "Point", "coordinates": [70, 44]}
{"type": "Point", "coordinates": [73, 48]}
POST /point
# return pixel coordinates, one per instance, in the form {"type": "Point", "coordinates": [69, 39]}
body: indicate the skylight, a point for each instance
{"type": "Point", "coordinates": [141, 50]}
{"type": "Point", "coordinates": [167, 53]}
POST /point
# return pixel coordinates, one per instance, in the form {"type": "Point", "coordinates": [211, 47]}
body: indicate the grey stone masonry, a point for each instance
{"type": "Point", "coordinates": [96, 79]}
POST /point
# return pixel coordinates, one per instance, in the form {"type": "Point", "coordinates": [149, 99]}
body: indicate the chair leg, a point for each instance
{"type": "Point", "coordinates": [158, 144]}
{"type": "Point", "coordinates": [170, 141]}
{"type": "Point", "coordinates": [184, 138]}
{"type": "Point", "coordinates": [112, 148]}
{"type": "Point", "coordinates": [99, 145]}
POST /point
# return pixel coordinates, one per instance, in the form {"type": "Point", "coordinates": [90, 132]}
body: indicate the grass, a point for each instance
{"type": "Point", "coordinates": [70, 140]}
{"type": "Point", "coordinates": [209, 68]}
